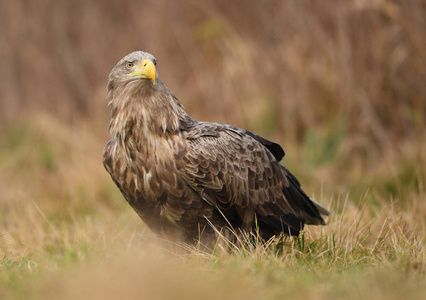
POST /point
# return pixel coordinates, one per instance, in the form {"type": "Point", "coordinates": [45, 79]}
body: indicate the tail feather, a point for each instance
{"type": "Point", "coordinates": [306, 209]}
{"type": "Point", "coordinates": [321, 209]}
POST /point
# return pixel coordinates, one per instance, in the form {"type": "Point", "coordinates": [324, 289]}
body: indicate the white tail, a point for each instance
{"type": "Point", "coordinates": [321, 209]}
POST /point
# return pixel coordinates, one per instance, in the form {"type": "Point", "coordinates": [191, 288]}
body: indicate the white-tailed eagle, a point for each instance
{"type": "Point", "coordinates": [182, 176]}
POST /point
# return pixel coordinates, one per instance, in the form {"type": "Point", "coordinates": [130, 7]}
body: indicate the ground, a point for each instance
{"type": "Point", "coordinates": [67, 232]}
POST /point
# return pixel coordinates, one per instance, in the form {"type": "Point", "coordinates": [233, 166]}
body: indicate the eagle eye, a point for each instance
{"type": "Point", "coordinates": [129, 64]}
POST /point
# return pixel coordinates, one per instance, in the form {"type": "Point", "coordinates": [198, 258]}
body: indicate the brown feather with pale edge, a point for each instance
{"type": "Point", "coordinates": [181, 175]}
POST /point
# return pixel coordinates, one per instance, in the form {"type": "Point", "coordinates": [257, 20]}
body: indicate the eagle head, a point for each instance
{"type": "Point", "coordinates": [137, 66]}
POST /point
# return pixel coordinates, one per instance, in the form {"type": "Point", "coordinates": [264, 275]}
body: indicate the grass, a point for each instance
{"type": "Point", "coordinates": [355, 256]}
{"type": "Point", "coordinates": [67, 233]}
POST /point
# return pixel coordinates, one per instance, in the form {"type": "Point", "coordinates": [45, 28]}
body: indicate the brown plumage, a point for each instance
{"type": "Point", "coordinates": [181, 176]}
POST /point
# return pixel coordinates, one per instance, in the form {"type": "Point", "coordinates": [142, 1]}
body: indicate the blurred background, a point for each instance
{"type": "Point", "coordinates": [341, 85]}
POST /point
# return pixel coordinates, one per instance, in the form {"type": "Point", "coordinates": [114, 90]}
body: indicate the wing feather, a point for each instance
{"type": "Point", "coordinates": [230, 167]}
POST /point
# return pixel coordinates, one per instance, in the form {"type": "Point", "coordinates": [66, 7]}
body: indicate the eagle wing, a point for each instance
{"type": "Point", "coordinates": [239, 173]}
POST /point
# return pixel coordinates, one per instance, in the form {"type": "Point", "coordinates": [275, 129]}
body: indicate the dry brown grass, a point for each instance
{"type": "Point", "coordinates": [363, 252]}
{"type": "Point", "coordinates": [67, 233]}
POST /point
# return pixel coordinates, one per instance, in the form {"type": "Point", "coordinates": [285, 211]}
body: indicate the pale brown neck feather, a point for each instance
{"type": "Point", "coordinates": [142, 114]}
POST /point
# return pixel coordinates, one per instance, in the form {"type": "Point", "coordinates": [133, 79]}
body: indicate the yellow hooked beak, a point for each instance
{"type": "Point", "coordinates": [145, 70]}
